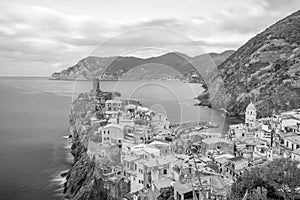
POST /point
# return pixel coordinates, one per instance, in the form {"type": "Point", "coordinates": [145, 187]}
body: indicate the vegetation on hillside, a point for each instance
{"type": "Point", "coordinates": [279, 179]}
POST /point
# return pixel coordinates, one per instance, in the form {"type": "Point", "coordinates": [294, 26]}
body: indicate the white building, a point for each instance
{"type": "Point", "coordinates": [113, 105]}
{"type": "Point", "coordinates": [111, 133]}
{"type": "Point", "coordinates": [290, 124]}
{"type": "Point", "coordinates": [237, 131]}
{"type": "Point", "coordinates": [250, 115]}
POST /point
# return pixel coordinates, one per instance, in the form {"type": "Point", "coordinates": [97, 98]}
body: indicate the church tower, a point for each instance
{"type": "Point", "coordinates": [96, 86]}
{"type": "Point", "coordinates": [250, 115]}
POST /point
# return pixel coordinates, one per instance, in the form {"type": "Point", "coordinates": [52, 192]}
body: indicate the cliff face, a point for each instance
{"type": "Point", "coordinates": [170, 65]}
{"type": "Point", "coordinates": [265, 70]}
{"type": "Point", "coordinates": [84, 179]}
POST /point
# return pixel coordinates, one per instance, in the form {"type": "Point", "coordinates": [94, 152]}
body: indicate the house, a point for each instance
{"type": "Point", "coordinates": [161, 183]}
{"type": "Point", "coordinates": [164, 148]}
{"type": "Point", "coordinates": [125, 119]}
{"type": "Point", "coordinates": [185, 191]}
{"type": "Point", "coordinates": [146, 150]}
{"type": "Point", "coordinates": [272, 154]}
{"type": "Point", "coordinates": [217, 145]}
{"type": "Point", "coordinates": [236, 166]}
{"type": "Point", "coordinates": [158, 168]}
{"type": "Point", "coordinates": [137, 176]}
{"type": "Point", "coordinates": [111, 133]}
{"type": "Point", "coordinates": [112, 115]}
{"type": "Point", "coordinates": [144, 164]}
{"type": "Point", "coordinates": [292, 142]}
{"type": "Point", "coordinates": [221, 161]}
{"type": "Point", "coordinates": [290, 124]}
{"type": "Point", "coordinates": [142, 133]}
{"type": "Point", "coordinates": [237, 131]}
{"type": "Point", "coordinates": [128, 164]}
{"type": "Point", "coordinates": [214, 186]}
{"type": "Point", "coordinates": [293, 128]}
{"type": "Point", "coordinates": [113, 105]}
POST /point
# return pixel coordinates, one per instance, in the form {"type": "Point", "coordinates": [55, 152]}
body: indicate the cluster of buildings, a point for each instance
{"type": "Point", "coordinates": [134, 143]}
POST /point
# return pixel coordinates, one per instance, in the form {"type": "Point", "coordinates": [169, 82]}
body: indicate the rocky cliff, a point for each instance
{"type": "Point", "coordinates": [265, 70]}
{"type": "Point", "coordinates": [167, 66]}
{"type": "Point", "coordinates": [84, 179]}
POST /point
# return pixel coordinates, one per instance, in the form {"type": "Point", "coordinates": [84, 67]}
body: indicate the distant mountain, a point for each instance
{"type": "Point", "coordinates": [168, 66]}
{"type": "Point", "coordinates": [265, 70]}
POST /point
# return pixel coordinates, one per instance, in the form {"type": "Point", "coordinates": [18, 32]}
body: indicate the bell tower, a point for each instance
{"type": "Point", "coordinates": [96, 86]}
{"type": "Point", "coordinates": [250, 115]}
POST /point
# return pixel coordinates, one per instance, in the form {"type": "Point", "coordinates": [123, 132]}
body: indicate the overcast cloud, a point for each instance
{"type": "Point", "coordinates": [40, 37]}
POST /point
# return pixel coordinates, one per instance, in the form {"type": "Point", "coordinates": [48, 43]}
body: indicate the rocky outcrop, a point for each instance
{"type": "Point", "coordinates": [167, 66]}
{"type": "Point", "coordinates": [84, 179]}
{"type": "Point", "coordinates": [265, 70]}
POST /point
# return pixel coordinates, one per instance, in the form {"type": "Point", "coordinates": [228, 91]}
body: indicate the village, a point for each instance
{"type": "Point", "coordinates": [135, 144]}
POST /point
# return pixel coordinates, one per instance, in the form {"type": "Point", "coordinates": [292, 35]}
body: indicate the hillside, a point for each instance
{"type": "Point", "coordinates": [167, 66]}
{"type": "Point", "coordinates": [265, 70]}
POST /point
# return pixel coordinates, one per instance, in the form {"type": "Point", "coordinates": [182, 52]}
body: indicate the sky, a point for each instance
{"type": "Point", "coordinates": [39, 37]}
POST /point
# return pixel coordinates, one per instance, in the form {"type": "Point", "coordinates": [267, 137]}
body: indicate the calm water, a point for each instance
{"type": "Point", "coordinates": [34, 119]}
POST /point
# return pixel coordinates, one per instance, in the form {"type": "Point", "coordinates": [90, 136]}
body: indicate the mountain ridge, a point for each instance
{"type": "Point", "coordinates": [264, 70]}
{"type": "Point", "coordinates": [176, 66]}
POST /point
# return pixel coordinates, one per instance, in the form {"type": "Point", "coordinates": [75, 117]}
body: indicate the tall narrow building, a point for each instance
{"type": "Point", "coordinates": [250, 115]}
{"type": "Point", "coordinates": [96, 86]}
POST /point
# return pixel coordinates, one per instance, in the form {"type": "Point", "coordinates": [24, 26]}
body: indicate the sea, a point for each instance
{"type": "Point", "coordinates": [34, 144]}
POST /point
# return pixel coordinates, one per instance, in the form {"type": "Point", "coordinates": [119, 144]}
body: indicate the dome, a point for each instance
{"type": "Point", "coordinates": [251, 106]}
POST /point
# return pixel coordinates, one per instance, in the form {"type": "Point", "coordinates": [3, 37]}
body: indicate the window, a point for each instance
{"type": "Point", "coordinates": [107, 132]}
{"type": "Point", "coordinates": [103, 132]}
{"type": "Point", "coordinates": [165, 171]}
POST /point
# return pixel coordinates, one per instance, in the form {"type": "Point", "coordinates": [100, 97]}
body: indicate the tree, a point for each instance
{"type": "Point", "coordinates": [279, 178]}
{"type": "Point", "coordinates": [284, 175]}
{"type": "Point", "coordinates": [249, 181]}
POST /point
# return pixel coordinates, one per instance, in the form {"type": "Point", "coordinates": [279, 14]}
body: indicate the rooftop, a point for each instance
{"type": "Point", "coordinates": [160, 161]}
{"type": "Point", "coordinates": [221, 160]}
{"type": "Point", "coordinates": [237, 159]}
{"type": "Point", "coordinates": [130, 158]}
{"type": "Point", "coordinates": [163, 183]}
{"type": "Point", "coordinates": [113, 101]}
{"type": "Point", "coordinates": [113, 125]}
{"type": "Point", "coordinates": [294, 139]}
{"type": "Point", "coordinates": [251, 106]}
{"type": "Point", "coordinates": [214, 140]}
